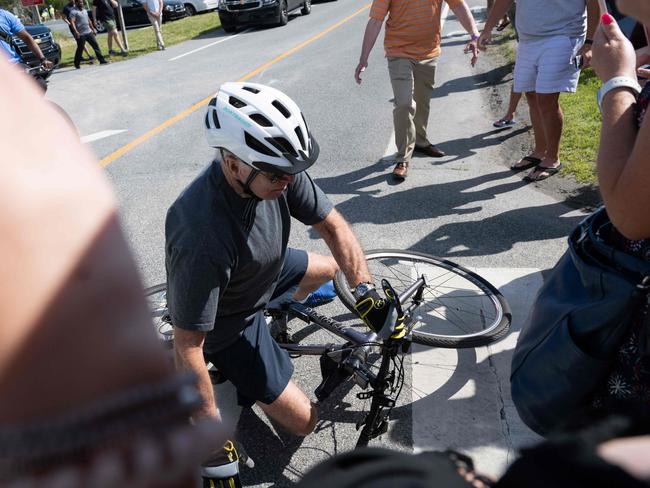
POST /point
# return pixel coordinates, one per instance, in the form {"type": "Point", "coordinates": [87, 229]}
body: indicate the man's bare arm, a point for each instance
{"type": "Point", "coordinates": [345, 248]}
{"type": "Point", "coordinates": [188, 352]}
{"type": "Point", "coordinates": [33, 46]}
{"type": "Point", "coordinates": [499, 9]}
{"type": "Point", "coordinates": [373, 28]}
{"type": "Point", "coordinates": [465, 17]}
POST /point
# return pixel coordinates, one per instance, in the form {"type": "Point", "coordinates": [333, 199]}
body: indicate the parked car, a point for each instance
{"type": "Point", "coordinates": [135, 14]}
{"type": "Point", "coordinates": [236, 13]}
{"type": "Point", "coordinates": [197, 6]}
{"type": "Point", "coordinates": [43, 36]}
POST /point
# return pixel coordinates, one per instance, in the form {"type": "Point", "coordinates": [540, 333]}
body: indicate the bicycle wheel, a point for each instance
{"type": "Point", "coordinates": [157, 300]}
{"type": "Point", "coordinates": [459, 308]}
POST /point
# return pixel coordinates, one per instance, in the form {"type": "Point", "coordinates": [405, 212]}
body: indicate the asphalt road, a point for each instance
{"type": "Point", "coordinates": [143, 119]}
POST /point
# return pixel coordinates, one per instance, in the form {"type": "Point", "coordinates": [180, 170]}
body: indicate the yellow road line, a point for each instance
{"type": "Point", "coordinates": [180, 116]}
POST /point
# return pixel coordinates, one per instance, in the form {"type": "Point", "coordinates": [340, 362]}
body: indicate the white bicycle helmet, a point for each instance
{"type": "Point", "coordinates": [261, 126]}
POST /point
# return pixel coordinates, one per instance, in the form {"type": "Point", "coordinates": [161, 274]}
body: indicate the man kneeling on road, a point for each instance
{"type": "Point", "coordinates": [227, 256]}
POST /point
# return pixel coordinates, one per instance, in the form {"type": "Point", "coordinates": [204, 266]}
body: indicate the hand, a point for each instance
{"type": "Point", "coordinates": [472, 47]}
{"type": "Point", "coordinates": [47, 64]}
{"type": "Point", "coordinates": [613, 54]}
{"type": "Point", "coordinates": [376, 312]}
{"type": "Point", "coordinates": [361, 67]}
{"type": "Point", "coordinates": [585, 52]}
{"type": "Point", "coordinates": [484, 39]}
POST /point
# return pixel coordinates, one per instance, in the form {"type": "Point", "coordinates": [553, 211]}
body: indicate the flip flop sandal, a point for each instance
{"type": "Point", "coordinates": [501, 123]}
{"type": "Point", "coordinates": [543, 173]}
{"type": "Point", "coordinates": [531, 161]}
{"type": "Point", "coordinates": [503, 25]}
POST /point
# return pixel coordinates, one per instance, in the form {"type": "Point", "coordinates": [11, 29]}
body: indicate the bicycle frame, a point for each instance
{"type": "Point", "coordinates": [348, 360]}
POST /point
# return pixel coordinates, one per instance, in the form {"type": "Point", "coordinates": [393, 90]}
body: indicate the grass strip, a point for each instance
{"type": "Point", "coordinates": [142, 40]}
{"type": "Point", "coordinates": [581, 134]}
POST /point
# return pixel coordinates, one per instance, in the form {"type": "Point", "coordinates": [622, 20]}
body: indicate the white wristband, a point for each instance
{"type": "Point", "coordinates": [617, 82]}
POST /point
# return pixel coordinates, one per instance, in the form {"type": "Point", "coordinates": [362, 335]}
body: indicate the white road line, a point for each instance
{"type": "Point", "coordinates": [224, 39]}
{"type": "Point", "coordinates": [100, 135]}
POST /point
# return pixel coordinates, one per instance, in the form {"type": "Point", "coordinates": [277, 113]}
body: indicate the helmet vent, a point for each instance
{"type": "Point", "coordinates": [258, 146]}
{"type": "Point", "coordinates": [300, 137]}
{"type": "Point", "coordinates": [213, 102]}
{"type": "Point", "coordinates": [236, 102]}
{"type": "Point", "coordinates": [250, 89]}
{"type": "Point", "coordinates": [282, 109]}
{"type": "Point", "coordinates": [207, 121]}
{"type": "Point", "coordinates": [261, 120]}
{"type": "Point", "coordinates": [283, 145]}
{"type": "Point", "coordinates": [215, 119]}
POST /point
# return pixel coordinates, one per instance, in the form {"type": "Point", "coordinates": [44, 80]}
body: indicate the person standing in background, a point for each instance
{"type": "Point", "coordinates": [154, 9]}
{"type": "Point", "coordinates": [103, 11]}
{"type": "Point", "coordinates": [65, 16]}
{"type": "Point", "coordinates": [412, 46]}
{"type": "Point", "coordinates": [83, 32]}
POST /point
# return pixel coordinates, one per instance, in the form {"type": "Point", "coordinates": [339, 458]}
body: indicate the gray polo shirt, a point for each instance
{"type": "Point", "coordinates": [81, 21]}
{"type": "Point", "coordinates": [537, 19]}
{"type": "Point", "coordinates": [224, 253]}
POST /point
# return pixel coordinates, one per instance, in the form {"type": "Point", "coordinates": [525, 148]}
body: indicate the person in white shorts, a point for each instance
{"type": "Point", "coordinates": [554, 44]}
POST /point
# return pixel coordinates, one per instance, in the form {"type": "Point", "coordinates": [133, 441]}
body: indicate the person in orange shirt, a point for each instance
{"type": "Point", "coordinates": [412, 45]}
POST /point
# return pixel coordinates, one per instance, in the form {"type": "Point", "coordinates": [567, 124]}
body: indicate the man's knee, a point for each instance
{"type": "Point", "coordinates": [321, 268]}
{"type": "Point", "coordinates": [548, 102]}
{"type": "Point", "coordinates": [293, 411]}
{"type": "Point", "coordinates": [307, 424]}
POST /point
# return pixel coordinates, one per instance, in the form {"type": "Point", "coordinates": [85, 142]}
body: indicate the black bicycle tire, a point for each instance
{"type": "Point", "coordinates": [491, 335]}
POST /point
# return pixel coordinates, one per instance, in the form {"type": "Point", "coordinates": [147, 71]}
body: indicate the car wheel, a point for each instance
{"type": "Point", "coordinates": [229, 28]}
{"type": "Point", "coordinates": [306, 8]}
{"type": "Point", "coordinates": [100, 27]}
{"type": "Point", "coordinates": [190, 9]}
{"type": "Point", "coordinates": [284, 13]}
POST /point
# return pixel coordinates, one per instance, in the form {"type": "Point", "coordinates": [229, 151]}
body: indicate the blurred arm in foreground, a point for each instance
{"type": "Point", "coordinates": [89, 396]}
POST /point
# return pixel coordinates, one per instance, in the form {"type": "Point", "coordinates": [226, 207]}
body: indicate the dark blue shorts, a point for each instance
{"type": "Point", "coordinates": [254, 363]}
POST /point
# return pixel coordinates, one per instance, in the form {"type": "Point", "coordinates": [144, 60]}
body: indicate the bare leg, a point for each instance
{"type": "Point", "coordinates": [515, 97]}
{"type": "Point", "coordinates": [115, 35]}
{"type": "Point", "coordinates": [320, 269]}
{"type": "Point", "coordinates": [539, 151]}
{"type": "Point", "coordinates": [512, 105]}
{"type": "Point", "coordinates": [552, 120]}
{"type": "Point", "coordinates": [293, 411]}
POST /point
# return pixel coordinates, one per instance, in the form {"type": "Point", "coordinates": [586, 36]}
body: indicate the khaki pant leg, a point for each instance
{"type": "Point", "coordinates": [424, 73]}
{"type": "Point", "coordinates": [401, 79]}
{"type": "Point", "coordinates": [155, 22]}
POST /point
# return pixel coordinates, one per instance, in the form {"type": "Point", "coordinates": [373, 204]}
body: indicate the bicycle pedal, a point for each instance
{"type": "Point", "coordinates": [365, 395]}
{"type": "Point", "coordinates": [284, 338]}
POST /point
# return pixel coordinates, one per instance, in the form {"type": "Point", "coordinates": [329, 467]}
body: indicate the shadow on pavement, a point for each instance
{"type": "Point", "coordinates": [496, 76]}
{"type": "Point", "coordinates": [272, 452]}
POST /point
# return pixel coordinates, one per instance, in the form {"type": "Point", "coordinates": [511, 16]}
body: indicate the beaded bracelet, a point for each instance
{"type": "Point", "coordinates": [145, 408]}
